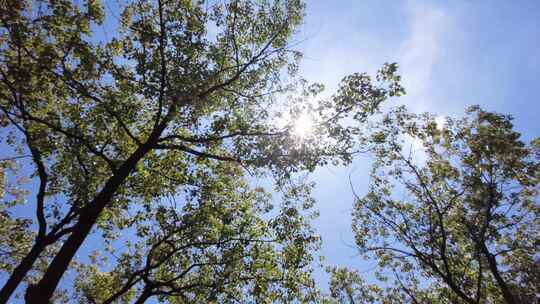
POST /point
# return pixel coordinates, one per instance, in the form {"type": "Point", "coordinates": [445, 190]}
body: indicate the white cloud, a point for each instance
{"type": "Point", "coordinates": [421, 52]}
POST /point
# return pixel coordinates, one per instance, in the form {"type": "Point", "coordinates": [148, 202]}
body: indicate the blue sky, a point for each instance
{"type": "Point", "coordinates": [451, 54]}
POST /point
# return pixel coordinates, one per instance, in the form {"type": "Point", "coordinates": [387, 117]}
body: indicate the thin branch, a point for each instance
{"type": "Point", "coordinates": [219, 138]}
{"type": "Point", "coordinates": [14, 157]}
{"type": "Point", "coordinates": [196, 153]}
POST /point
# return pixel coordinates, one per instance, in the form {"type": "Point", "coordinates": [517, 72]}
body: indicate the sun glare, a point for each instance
{"type": "Point", "coordinates": [440, 121]}
{"type": "Point", "coordinates": [303, 126]}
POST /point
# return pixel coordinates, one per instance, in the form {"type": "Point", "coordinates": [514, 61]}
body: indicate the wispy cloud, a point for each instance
{"type": "Point", "coordinates": [420, 52]}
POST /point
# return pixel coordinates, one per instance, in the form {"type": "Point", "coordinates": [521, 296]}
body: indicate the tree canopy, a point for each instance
{"type": "Point", "coordinates": [169, 134]}
{"type": "Point", "coordinates": [453, 218]}
{"type": "Point", "coordinates": [118, 111]}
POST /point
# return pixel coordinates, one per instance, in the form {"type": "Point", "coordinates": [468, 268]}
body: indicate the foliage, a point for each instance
{"type": "Point", "coordinates": [457, 217]}
{"type": "Point", "coordinates": [347, 286]}
{"type": "Point", "coordinates": [115, 123]}
{"type": "Point", "coordinates": [14, 232]}
{"type": "Point", "coordinates": [220, 248]}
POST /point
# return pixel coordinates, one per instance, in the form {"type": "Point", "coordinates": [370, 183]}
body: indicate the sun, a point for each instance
{"type": "Point", "coordinates": [440, 120]}
{"type": "Point", "coordinates": [303, 125]}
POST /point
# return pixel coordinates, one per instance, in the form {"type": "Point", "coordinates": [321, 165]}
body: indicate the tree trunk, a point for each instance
{"type": "Point", "coordinates": [20, 272]}
{"type": "Point", "coordinates": [146, 294]}
{"type": "Point", "coordinates": [44, 289]}
{"type": "Point", "coordinates": [492, 262]}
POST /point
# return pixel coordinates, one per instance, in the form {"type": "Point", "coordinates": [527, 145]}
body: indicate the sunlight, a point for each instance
{"type": "Point", "coordinates": [303, 126]}
{"type": "Point", "coordinates": [440, 120]}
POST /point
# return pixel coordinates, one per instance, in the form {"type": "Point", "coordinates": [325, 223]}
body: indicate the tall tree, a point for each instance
{"type": "Point", "coordinates": [120, 119]}
{"type": "Point", "coordinates": [348, 286]}
{"type": "Point", "coordinates": [225, 246]}
{"type": "Point", "coordinates": [457, 214]}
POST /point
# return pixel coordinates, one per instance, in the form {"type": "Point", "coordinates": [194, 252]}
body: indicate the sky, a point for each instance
{"type": "Point", "coordinates": [451, 54]}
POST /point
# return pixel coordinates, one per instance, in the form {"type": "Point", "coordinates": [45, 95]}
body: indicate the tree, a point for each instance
{"type": "Point", "coordinates": [220, 248]}
{"type": "Point", "coordinates": [347, 286]}
{"type": "Point", "coordinates": [110, 123]}
{"type": "Point", "coordinates": [457, 218]}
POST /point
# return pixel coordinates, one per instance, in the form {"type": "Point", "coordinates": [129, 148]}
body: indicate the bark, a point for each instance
{"type": "Point", "coordinates": [146, 294]}
{"type": "Point", "coordinates": [44, 289]}
{"type": "Point", "coordinates": [20, 272]}
{"type": "Point", "coordinates": [492, 264]}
